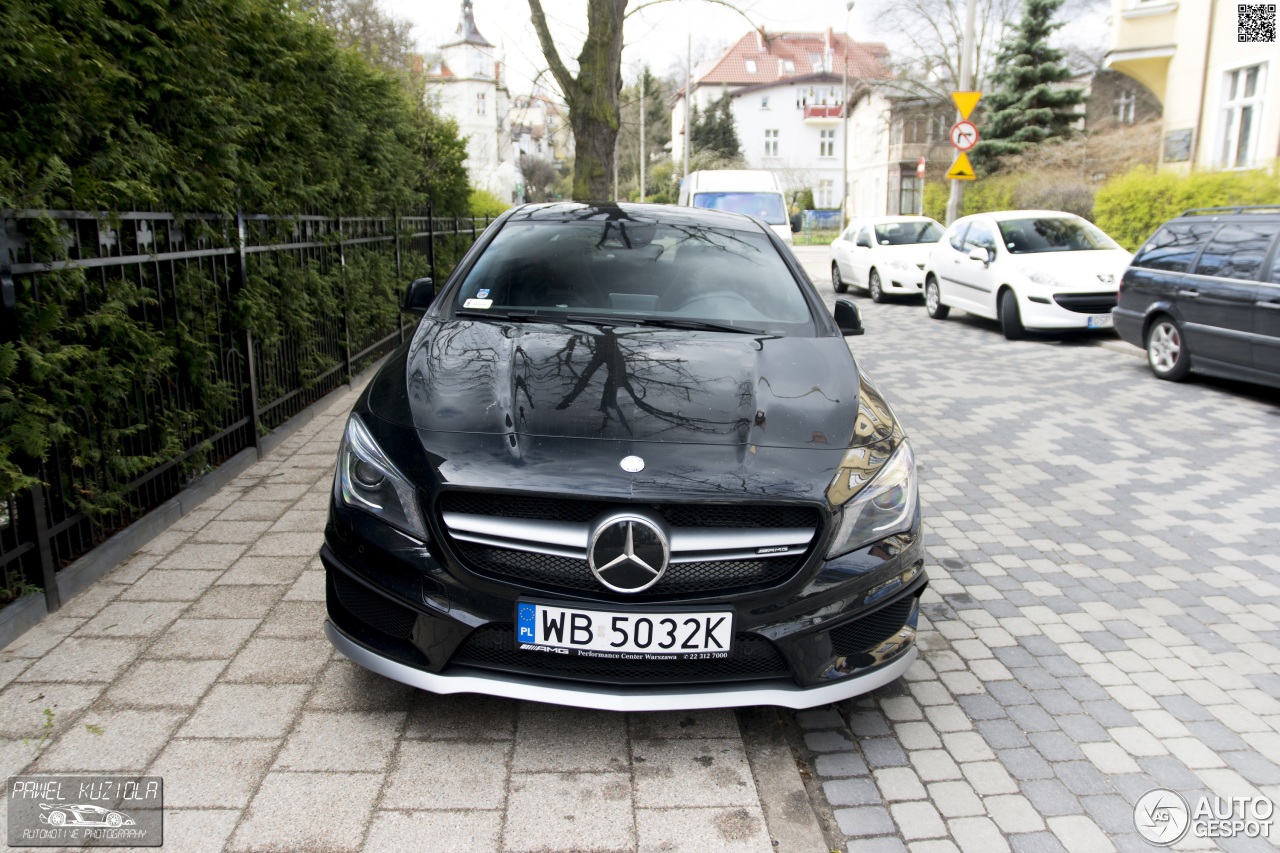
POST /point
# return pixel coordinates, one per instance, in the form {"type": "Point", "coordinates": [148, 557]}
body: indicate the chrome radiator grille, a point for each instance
{"type": "Point", "coordinates": [714, 547]}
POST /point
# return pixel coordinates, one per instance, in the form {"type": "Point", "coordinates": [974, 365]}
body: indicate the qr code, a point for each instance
{"type": "Point", "coordinates": [1257, 22]}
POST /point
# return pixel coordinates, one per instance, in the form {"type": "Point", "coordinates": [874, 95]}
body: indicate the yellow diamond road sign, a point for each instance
{"type": "Point", "coordinates": [965, 102]}
{"type": "Point", "coordinates": [961, 169]}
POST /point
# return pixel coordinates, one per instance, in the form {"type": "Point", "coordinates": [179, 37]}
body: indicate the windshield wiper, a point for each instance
{"type": "Point", "coordinates": [515, 316]}
{"type": "Point", "coordinates": [696, 325]}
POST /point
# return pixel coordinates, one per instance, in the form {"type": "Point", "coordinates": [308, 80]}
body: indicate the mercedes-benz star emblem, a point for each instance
{"type": "Point", "coordinates": [628, 553]}
{"type": "Point", "coordinates": [632, 464]}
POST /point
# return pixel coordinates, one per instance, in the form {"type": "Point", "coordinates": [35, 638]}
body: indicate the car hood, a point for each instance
{"type": "Point", "coordinates": [912, 253]}
{"type": "Point", "coordinates": [1077, 270]}
{"type": "Point", "coordinates": [631, 384]}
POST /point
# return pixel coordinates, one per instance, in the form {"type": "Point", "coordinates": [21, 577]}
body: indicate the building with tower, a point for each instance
{"type": "Point", "coordinates": [468, 86]}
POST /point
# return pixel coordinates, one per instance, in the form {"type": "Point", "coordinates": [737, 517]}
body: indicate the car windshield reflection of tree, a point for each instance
{"type": "Point", "coordinates": [627, 278]}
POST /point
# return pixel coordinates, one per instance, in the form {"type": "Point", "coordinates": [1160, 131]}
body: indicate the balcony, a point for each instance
{"type": "Point", "coordinates": [1143, 41]}
{"type": "Point", "coordinates": [823, 114]}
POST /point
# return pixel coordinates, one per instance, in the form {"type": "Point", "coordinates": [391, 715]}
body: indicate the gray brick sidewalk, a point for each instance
{"type": "Point", "coordinates": [1103, 617]}
{"type": "Point", "coordinates": [202, 660]}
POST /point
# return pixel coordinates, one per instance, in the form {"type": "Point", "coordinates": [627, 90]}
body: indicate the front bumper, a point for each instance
{"type": "Point", "coordinates": [1042, 309]}
{"type": "Point", "coordinates": [906, 281]}
{"type": "Point", "coordinates": [613, 698]}
{"type": "Point", "coordinates": [403, 610]}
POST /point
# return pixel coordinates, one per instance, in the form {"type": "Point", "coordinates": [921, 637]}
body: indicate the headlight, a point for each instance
{"type": "Point", "coordinates": [368, 481]}
{"type": "Point", "coordinates": [899, 264]}
{"type": "Point", "coordinates": [1043, 278]}
{"type": "Point", "coordinates": [884, 506]}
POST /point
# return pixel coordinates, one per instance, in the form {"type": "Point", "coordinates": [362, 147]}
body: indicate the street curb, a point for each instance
{"type": "Point", "coordinates": [788, 813]}
{"type": "Point", "coordinates": [20, 617]}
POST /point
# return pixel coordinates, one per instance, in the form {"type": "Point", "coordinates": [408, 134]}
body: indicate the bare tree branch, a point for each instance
{"type": "Point", "coordinates": [548, 45]}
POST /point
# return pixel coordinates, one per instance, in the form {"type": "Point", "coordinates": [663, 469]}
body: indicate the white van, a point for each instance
{"type": "Point", "coordinates": [753, 192]}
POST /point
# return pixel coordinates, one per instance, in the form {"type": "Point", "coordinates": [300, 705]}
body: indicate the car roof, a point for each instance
{"type": "Point", "coordinates": [1005, 215]}
{"type": "Point", "coordinates": [668, 214]}
{"type": "Point", "coordinates": [887, 220]}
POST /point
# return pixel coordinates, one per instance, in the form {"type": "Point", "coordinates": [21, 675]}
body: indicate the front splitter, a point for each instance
{"type": "Point", "coordinates": [610, 698]}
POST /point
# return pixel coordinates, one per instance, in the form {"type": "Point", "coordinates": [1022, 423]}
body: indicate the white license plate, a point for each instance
{"type": "Point", "coordinates": [1100, 321]}
{"type": "Point", "coordinates": [623, 635]}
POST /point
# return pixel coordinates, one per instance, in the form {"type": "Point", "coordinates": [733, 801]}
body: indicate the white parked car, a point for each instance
{"type": "Point", "coordinates": [1029, 269]}
{"type": "Point", "coordinates": [884, 256]}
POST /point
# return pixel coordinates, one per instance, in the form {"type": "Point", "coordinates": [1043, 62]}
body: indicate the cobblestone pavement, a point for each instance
{"type": "Point", "coordinates": [1104, 551]}
{"type": "Point", "coordinates": [1103, 619]}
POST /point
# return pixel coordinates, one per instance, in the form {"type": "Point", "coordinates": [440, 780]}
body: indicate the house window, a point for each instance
{"type": "Point", "coordinates": [827, 144]}
{"type": "Point", "coordinates": [477, 63]}
{"type": "Point", "coordinates": [480, 104]}
{"type": "Point", "coordinates": [1241, 115]}
{"type": "Point", "coordinates": [788, 66]}
{"type": "Point", "coordinates": [751, 66]}
{"type": "Point", "coordinates": [771, 143]}
{"type": "Point", "coordinates": [764, 102]}
{"type": "Point", "coordinates": [825, 197]}
{"type": "Point", "coordinates": [909, 196]}
{"type": "Point", "coordinates": [1126, 106]}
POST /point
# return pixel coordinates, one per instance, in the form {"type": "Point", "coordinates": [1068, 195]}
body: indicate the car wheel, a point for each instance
{"type": "Point", "coordinates": [873, 286]}
{"type": "Point", "coordinates": [836, 281]}
{"type": "Point", "coordinates": [114, 820]}
{"type": "Point", "coordinates": [933, 300]}
{"type": "Point", "coordinates": [57, 818]}
{"type": "Point", "coordinates": [1167, 351]}
{"type": "Point", "coordinates": [1010, 320]}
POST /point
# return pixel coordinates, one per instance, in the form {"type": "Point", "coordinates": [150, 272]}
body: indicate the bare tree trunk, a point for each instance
{"type": "Point", "coordinates": [592, 96]}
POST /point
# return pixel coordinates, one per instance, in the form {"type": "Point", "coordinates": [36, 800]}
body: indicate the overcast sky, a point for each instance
{"type": "Point", "coordinates": [657, 35]}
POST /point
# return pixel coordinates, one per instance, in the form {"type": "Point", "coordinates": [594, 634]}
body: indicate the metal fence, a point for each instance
{"type": "Point", "coordinates": [194, 270]}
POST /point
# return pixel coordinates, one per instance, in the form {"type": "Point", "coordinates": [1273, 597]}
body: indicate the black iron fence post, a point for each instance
{"type": "Point", "coordinates": [8, 292]}
{"type": "Point", "coordinates": [431, 241]}
{"type": "Point", "coordinates": [399, 283]}
{"type": "Point", "coordinates": [242, 276]}
{"type": "Point", "coordinates": [346, 320]}
{"type": "Point", "coordinates": [44, 546]}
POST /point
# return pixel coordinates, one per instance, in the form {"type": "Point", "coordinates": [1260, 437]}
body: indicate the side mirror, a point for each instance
{"type": "Point", "coordinates": [848, 318]}
{"type": "Point", "coordinates": [796, 223]}
{"type": "Point", "coordinates": [977, 253]}
{"type": "Point", "coordinates": [418, 296]}
{"type": "Point", "coordinates": [863, 243]}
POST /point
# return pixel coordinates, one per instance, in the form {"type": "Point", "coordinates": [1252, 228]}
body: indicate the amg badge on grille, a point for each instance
{"type": "Point", "coordinates": [632, 464]}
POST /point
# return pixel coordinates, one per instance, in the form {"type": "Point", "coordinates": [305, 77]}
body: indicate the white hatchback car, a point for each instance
{"type": "Point", "coordinates": [885, 255]}
{"type": "Point", "coordinates": [1029, 269]}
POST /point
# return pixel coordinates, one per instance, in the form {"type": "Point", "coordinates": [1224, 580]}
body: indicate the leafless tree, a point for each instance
{"type": "Point", "coordinates": [929, 34]}
{"type": "Point", "coordinates": [540, 177]}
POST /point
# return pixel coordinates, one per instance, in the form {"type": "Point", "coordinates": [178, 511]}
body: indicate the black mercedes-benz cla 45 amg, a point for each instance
{"type": "Point", "coordinates": [628, 462]}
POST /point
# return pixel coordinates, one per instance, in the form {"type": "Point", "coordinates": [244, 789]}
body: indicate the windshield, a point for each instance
{"type": "Point", "coordinates": [1052, 234]}
{"type": "Point", "coordinates": [908, 233]}
{"type": "Point", "coordinates": [632, 271]}
{"type": "Point", "coordinates": [766, 206]}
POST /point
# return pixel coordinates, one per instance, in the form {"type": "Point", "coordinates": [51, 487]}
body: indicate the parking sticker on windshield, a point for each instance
{"type": "Point", "coordinates": [86, 811]}
{"type": "Point", "coordinates": [482, 294]}
{"type": "Point", "coordinates": [477, 303]}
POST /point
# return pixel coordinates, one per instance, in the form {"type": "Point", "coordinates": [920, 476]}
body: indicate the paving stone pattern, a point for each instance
{"type": "Point", "coordinates": [201, 660]}
{"type": "Point", "coordinates": [1103, 618]}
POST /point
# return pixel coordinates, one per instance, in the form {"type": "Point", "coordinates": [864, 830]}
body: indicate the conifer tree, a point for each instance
{"type": "Point", "coordinates": [713, 132]}
{"type": "Point", "coordinates": [1027, 104]}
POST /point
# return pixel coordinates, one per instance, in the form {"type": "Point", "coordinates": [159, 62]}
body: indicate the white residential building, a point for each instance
{"type": "Point", "coordinates": [468, 86]}
{"type": "Point", "coordinates": [788, 103]}
{"type": "Point", "coordinates": [890, 129]}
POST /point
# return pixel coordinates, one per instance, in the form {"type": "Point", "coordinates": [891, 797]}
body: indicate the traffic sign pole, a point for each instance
{"type": "Point", "coordinates": [966, 84]}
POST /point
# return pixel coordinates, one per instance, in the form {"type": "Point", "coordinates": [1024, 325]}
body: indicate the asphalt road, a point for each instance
{"type": "Point", "coordinates": [1105, 561]}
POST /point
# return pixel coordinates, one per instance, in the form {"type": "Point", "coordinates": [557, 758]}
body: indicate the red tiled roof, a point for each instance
{"type": "Point", "coordinates": [806, 51]}
{"type": "Point", "coordinates": [444, 71]}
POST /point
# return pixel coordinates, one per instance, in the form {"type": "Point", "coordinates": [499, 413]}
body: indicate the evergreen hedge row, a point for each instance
{"type": "Point", "coordinates": [188, 106]}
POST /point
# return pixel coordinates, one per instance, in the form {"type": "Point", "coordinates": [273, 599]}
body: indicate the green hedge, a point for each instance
{"type": "Point", "coordinates": [189, 106]}
{"type": "Point", "coordinates": [1132, 206]}
{"type": "Point", "coordinates": [207, 105]}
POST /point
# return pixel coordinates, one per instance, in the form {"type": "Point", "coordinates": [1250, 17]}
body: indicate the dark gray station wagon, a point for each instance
{"type": "Point", "coordinates": [1203, 294]}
